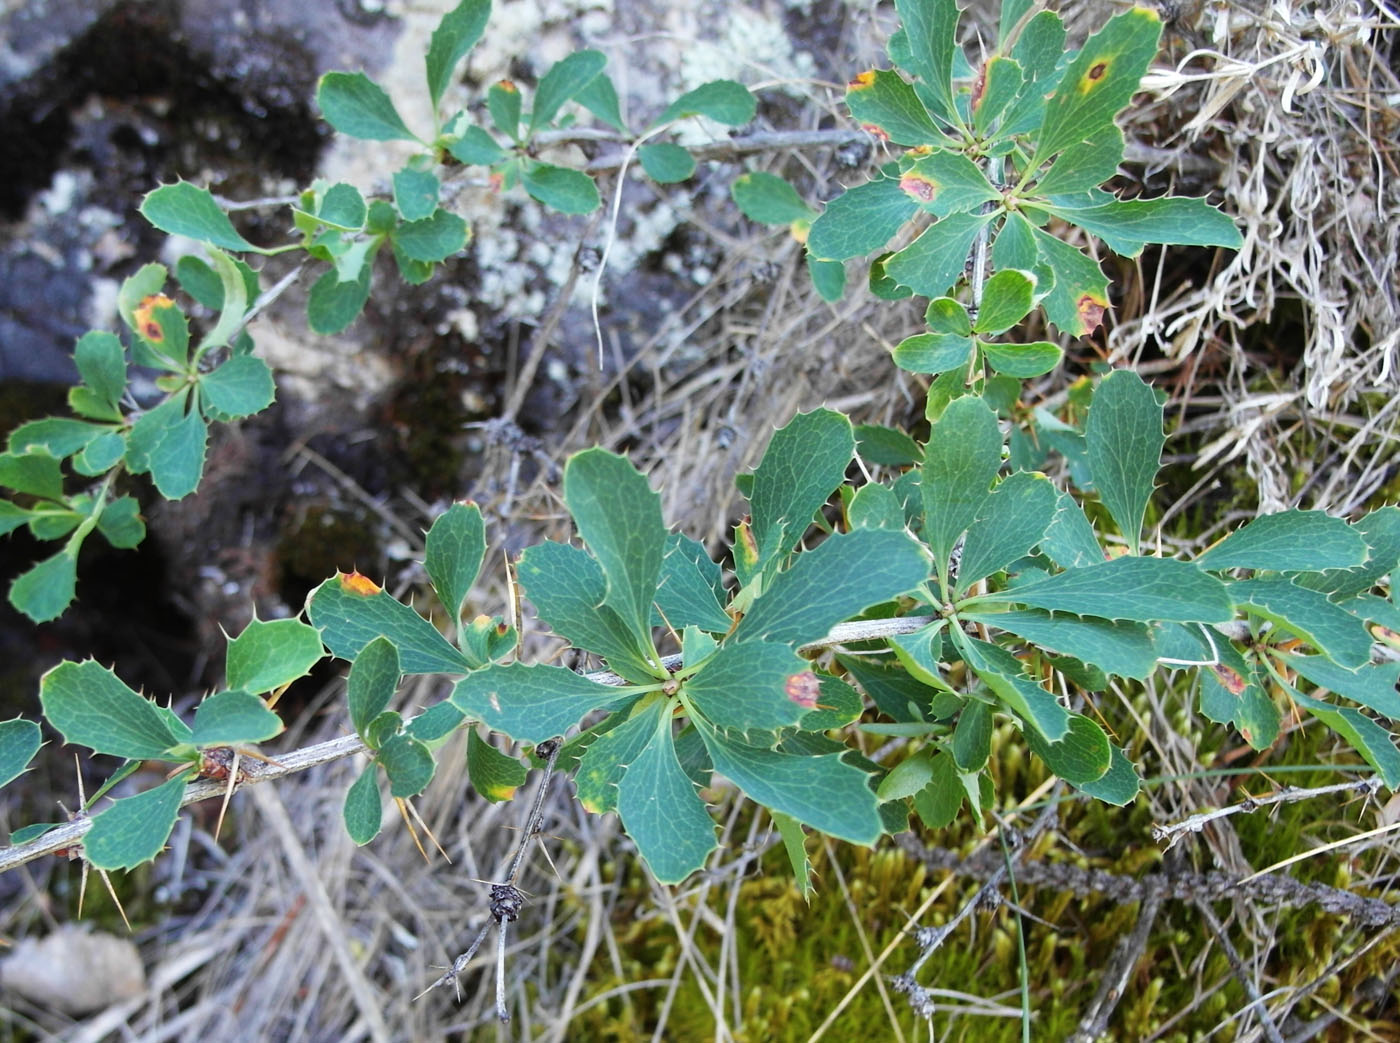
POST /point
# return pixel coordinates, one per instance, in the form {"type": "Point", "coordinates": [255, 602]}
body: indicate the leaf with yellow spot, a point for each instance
{"type": "Point", "coordinates": [884, 99]}
{"type": "Point", "coordinates": [1099, 82]}
{"type": "Point", "coordinates": [494, 775]}
{"type": "Point", "coordinates": [944, 183]}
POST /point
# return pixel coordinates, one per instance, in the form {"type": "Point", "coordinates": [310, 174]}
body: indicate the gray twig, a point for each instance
{"type": "Point", "coordinates": [1287, 795]}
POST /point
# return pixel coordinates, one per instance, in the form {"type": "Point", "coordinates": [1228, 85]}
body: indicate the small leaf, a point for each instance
{"type": "Point", "coordinates": [354, 104]}
{"type": "Point", "coordinates": [34, 472]}
{"type": "Point", "coordinates": [907, 777]}
{"type": "Point", "coordinates": [101, 362]}
{"type": "Point", "coordinates": [932, 352]}
{"type": "Point", "coordinates": [1372, 685]}
{"type": "Point", "coordinates": [363, 807]}
{"type": "Point", "coordinates": [456, 545]}
{"type": "Point", "coordinates": [91, 707]}
{"type": "Point", "coordinates": [1081, 757]}
{"type": "Point", "coordinates": [1143, 589]}
{"type": "Point", "coordinates": [186, 209]}
{"type": "Point", "coordinates": [1022, 361]}
{"type": "Point", "coordinates": [662, 812]}
{"type": "Point", "coordinates": [19, 742]}
{"type": "Point", "coordinates": [599, 97]}
{"type": "Point", "coordinates": [134, 829]}
{"type": "Point", "coordinates": [333, 305]}
{"type": "Point", "coordinates": [531, 703]}
{"type": "Point", "coordinates": [436, 722]}
{"type": "Point", "coordinates": [493, 774]}
{"type": "Point", "coordinates": [343, 207]}
{"type": "Point", "coordinates": [1119, 785]}
{"type": "Point", "coordinates": [1012, 520]}
{"type": "Point", "coordinates": [456, 34]}
{"type": "Point", "coordinates": [1007, 298]}
{"type": "Point", "coordinates": [270, 654]}
{"type": "Point", "coordinates": [998, 84]}
{"type": "Point", "coordinates": [1333, 631]}
{"type": "Point", "coordinates": [1125, 225]}
{"type": "Point", "coordinates": [101, 454]}
{"type": "Point", "coordinates": [1004, 674]}
{"type": "Point", "coordinates": [794, 843]}
{"type": "Point", "coordinates": [882, 101]}
{"type": "Point", "coordinates": [239, 387]}
{"type": "Point", "coordinates": [415, 193]}
{"type": "Point", "coordinates": [723, 101]}
{"type": "Point", "coordinates": [619, 517]}
{"type": "Point", "coordinates": [374, 677]}
{"type": "Point", "coordinates": [408, 763]}
{"type": "Point", "coordinates": [1302, 541]}
{"type": "Point", "coordinates": [562, 82]}
{"type": "Point", "coordinates": [45, 591]}
{"type": "Point", "coordinates": [565, 190]}
{"type": "Point", "coordinates": [477, 147]}
{"type": "Point", "coordinates": [938, 802]}
{"type": "Point", "coordinates": [804, 463]}
{"type": "Point", "coordinates": [746, 687]}
{"type": "Point", "coordinates": [828, 278]}
{"type": "Point", "coordinates": [1124, 439]}
{"type": "Point", "coordinates": [57, 437]}
{"type": "Point", "coordinates": [886, 446]}
{"type": "Point", "coordinates": [935, 260]}
{"type": "Point", "coordinates": [962, 457]}
{"type": "Point", "coordinates": [860, 220]}
{"type": "Point", "coordinates": [666, 163]}
{"type": "Point", "coordinates": [972, 737]}
{"type": "Point", "coordinates": [432, 239]}
{"type": "Point", "coordinates": [768, 199]}
{"type": "Point", "coordinates": [503, 103]}
{"type": "Point", "coordinates": [606, 759]}
{"type": "Point", "coordinates": [230, 718]}
{"type": "Point", "coordinates": [351, 611]}
{"type": "Point", "coordinates": [843, 576]}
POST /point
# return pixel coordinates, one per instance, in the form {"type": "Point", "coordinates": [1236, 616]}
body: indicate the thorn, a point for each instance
{"type": "Point", "coordinates": [228, 795]}
{"type": "Point", "coordinates": [427, 830]}
{"type": "Point", "coordinates": [106, 879]}
{"type": "Point", "coordinates": [402, 805]}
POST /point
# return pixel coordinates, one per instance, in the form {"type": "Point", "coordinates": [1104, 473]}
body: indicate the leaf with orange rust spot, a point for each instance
{"type": "Point", "coordinates": [803, 689]}
{"type": "Point", "coordinates": [1231, 694]}
{"type": "Point", "coordinates": [358, 583]}
{"type": "Point", "coordinates": [884, 99]}
{"type": "Point", "coordinates": [998, 83]}
{"type": "Point", "coordinates": [1099, 82]}
{"type": "Point", "coordinates": [748, 688]}
{"type": "Point", "coordinates": [351, 611]}
{"type": "Point", "coordinates": [1078, 278]}
{"type": "Point", "coordinates": [946, 182]}
{"type": "Point", "coordinates": [1090, 309]}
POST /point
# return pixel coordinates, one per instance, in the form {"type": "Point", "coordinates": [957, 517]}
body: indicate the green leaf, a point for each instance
{"type": "Point", "coordinates": [1381, 531]}
{"type": "Point", "coordinates": [1142, 589]}
{"type": "Point", "coordinates": [962, 457]}
{"type": "Point", "coordinates": [606, 759]}
{"type": "Point", "coordinates": [691, 591]}
{"type": "Point", "coordinates": [804, 462]}
{"type": "Point", "coordinates": [599, 97]}
{"type": "Point", "coordinates": [662, 812]}
{"type": "Point", "coordinates": [456, 34]}
{"type": "Point", "coordinates": [476, 147]}
{"type": "Point", "coordinates": [134, 829]}
{"type": "Point", "coordinates": [934, 261]}
{"type": "Point", "coordinates": [333, 305]}
{"type": "Point", "coordinates": [101, 454]}
{"type": "Point", "coordinates": [562, 82]}
{"type": "Point", "coordinates": [503, 103]}
{"type": "Point", "coordinates": [1302, 541]}
{"type": "Point", "coordinates": [19, 742]}
{"type": "Point", "coordinates": [1011, 521]}
{"type": "Point", "coordinates": [938, 802]}
{"type": "Point", "coordinates": [101, 362]}
{"type": "Point", "coordinates": [828, 278]}
{"type": "Point", "coordinates": [1071, 542]}
{"type": "Point", "coordinates": [930, 30]}
{"type": "Point", "coordinates": [875, 506]}
{"type": "Point", "coordinates": [1125, 225]}
{"type": "Point", "coordinates": [821, 791]}
{"type": "Point", "coordinates": [1100, 81]}
{"type": "Point", "coordinates": [91, 707]}
{"type": "Point", "coordinates": [273, 653]}
{"type": "Point", "coordinates": [945, 183]}
{"type": "Point", "coordinates": [1085, 165]}
{"type": "Point", "coordinates": [843, 576]}
{"type": "Point", "coordinates": [768, 199]}
{"type": "Point", "coordinates": [1081, 757]}
{"type": "Point", "coordinates": [860, 220]}
{"type": "Point", "coordinates": [1007, 298]}
{"type": "Point", "coordinates": [1119, 648]}
{"type": "Point", "coordinates": [343, 207]}
{"type": "Point", "coordinates": [229, 718]}
{"type": "Point", "coordinates": [723, 101]}
{"type": "Point", "coordinates": [363, 807]}
{"type": "Point", "coordinates": [1119, 785]}
{"type": "Point", "coordinates": [436, 722]}
{"type": "Point", "coordinates": [240, 387]}
{"type": "Point", "coordinates": [1372, 685]}
{"type": "Point", "coordinates": [998, 84]}
{"type": "Point", "coordinates": [1369, 739]}
{"type": "Point", "coordinates": [619, 517]}
{"type": "Point", "coordinates": [531, 703]}
{"type": "Point", "coordinates": [408, 763]}
{"type": "Point", "coordinates": [565, 190]}
{"type": "Point", "coordinates": [886, 446]}
{"type": "Point", "coordinates": [455, 547]}
{"type": "Point", "coordinates": [433, 239]}
{"type": "Point", "coordinates": [666, 163]}
{"type": "Point", "coordinates": [972, 737]}
{"type": "Point", "coordinates": [1022, 361]}
{"type": "Point", "coordinates": [188, 210]}
{"type": "Point", "coordinates": [881, 100]}
{"type": "Point", "coordinates": [351, 611]}
{"type": "Point", "coordinates": [34, 472]}
{"type": "Point", "coordinates": [493, 774]}
{"type": "Point", "coordinates": [907, 777]}
{"type": "Point", "coordinates": [1078, 297]}
{"type": "Point", "coordinates": [1124, 439]}
{"type": "Point", "coordinates": [415, 193]}
{"type": "Point", "coordinates": [569, 589]}
{"type": "Point", "coordinates": [750, 687]}
{"type": "Point", "coordinates": [795, 844]}
{"type": "Point", "coordinates": [354, 104]}
{"type": "Point", "coordinates": [1004, 674]}
{"type": "Point", "coordinates": [177, 460]}
{"type": "Point", "coordinates": [45, 591]}
{"type": "Point", "coordinates": [383, 728]}
{"type": "Point", "coordinates": [1333, 631]}
{"type": "Point", "coordinates": [374, 677]}
{"type": "Point", "coordinates": [13, 517]}
{"type": "Point", "coordinates": [920, 652]}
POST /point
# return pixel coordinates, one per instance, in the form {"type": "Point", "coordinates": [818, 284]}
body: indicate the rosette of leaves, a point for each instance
{"type": "Point", "coordinates": [992, 155]}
